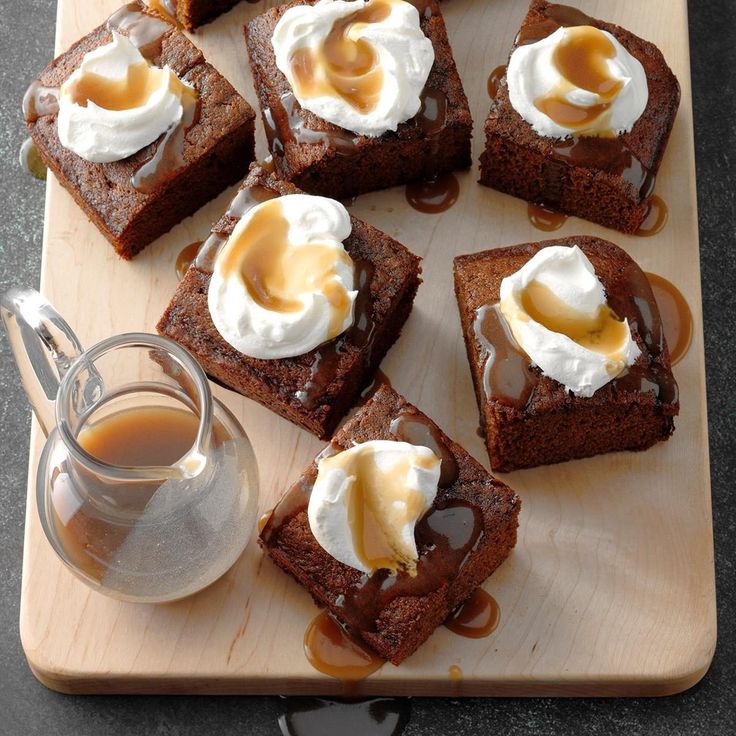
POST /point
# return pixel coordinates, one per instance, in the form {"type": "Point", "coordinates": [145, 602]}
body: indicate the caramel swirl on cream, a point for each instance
{"type": "Point", "coordinates": [366, 501]}
{"type": "Point", "coordinates": [116, 103]}
{"type": "Point", "coordinates": [283, 283]}
{"type": "Point", "coordinates": [359, 64]}
{"type": "Point", "coordinates": [578, 81]}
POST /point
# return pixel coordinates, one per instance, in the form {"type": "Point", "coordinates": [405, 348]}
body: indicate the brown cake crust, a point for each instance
{"type": "Point", "coordinates": [217, 150]}
{"type": "Point", "coordinates": [194, 13]}
{"type": "Point", "coordinates": [403, 622]}
{"type": "Point", "coordinates": [555, 425]}
{"type": "Point", "coordinates": [367, 164]}
{"type": "Point", "coordinates": [391, 288]}
{"type": "Point", "coordinates": [518, 161]}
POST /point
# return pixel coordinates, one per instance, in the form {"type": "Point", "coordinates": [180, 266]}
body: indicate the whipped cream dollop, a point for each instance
{"type": "Point", "coordinates": [556, 308]}
{"type": "Point", "coordinates": [116, 103]}
{"type": "Point", "coordinates": [283, 283]}
{"type": "Point", "coordinates": [359, 64]}
{"type": "Point", "coordinates": [577, 81]}
{"type": "Point", "coordinates": [367, 500]}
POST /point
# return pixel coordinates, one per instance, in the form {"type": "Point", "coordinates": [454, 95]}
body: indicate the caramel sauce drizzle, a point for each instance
{"type": "Point", "coordinates": [377, 502]}
{"type": "Point", "coordinates": [677, 319]}
{"type": "Point", "coordinates": [343, 67]}
{"type": "Point", "coordinates": [603, 333]}
{"type": "Point", "coordinates": [544, 218]}
{"type": "Point", "coordinates": [494, 80]}
{"type": "Point", "coordinates": [132, 91]}
{"type": "Point", "coordinates": [581, 59]}
{"type": "Point", "coordinates": [476, 617]}
{"type": "Point", "coordinates": [333, 651]}
{"type": "Point", "coordinates": [187, 256]}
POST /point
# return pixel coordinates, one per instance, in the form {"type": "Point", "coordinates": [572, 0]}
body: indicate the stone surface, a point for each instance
{"type": "Point", "coordinates": [26, 707]}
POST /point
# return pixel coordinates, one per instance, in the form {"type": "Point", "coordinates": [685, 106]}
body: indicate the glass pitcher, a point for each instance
{"type": "Point", "coordinates": [147, 486]}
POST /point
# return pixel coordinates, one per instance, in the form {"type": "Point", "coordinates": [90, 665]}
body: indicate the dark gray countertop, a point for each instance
{"type": "Point", "coordinates": [26, 707]}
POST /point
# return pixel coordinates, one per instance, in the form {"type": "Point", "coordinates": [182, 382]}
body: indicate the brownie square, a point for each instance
{"type": "Point", "coordinates": [605, 180]}
{"type": "Point", "coordinates": [194, 13]}
{"type": "Point", "coordinates": [322, 158]}
{"type": "Point", "coordinates": [314, 390]}
{"type": "Point", "coordinates": [216, 151]}
{"type": "Point", "coordinates": [395, 614]}
{"type": "Point", "coordinates": [631, 412]}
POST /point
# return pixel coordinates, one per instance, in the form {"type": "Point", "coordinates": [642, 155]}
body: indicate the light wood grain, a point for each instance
{"type": "Point", "coordinates": [611, 588]}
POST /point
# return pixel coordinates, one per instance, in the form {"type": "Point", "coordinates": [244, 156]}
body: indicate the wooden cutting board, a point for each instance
{"type": "Point", "coordinates": [610, 590]}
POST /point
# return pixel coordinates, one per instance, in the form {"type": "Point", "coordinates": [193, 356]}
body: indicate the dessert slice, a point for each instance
{"type": "Point", "coordinates": [138, 127]}
{"type": "Point", "coordinates": [566, 350]}
{"type": "Point", "coordinates": [373, 125]}
{"type": "Point", "coordinates": [398, 581]}
{"type": "Point", "coordinates": [301, 312]}
{"type": "Point", "coordinates": [194, 13]}
{"type": "Point", "coordinates": [581, 119]}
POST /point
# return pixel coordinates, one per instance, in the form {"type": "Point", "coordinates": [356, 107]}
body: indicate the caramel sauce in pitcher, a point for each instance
{"type": "Point", "coordinates": [139, 437]}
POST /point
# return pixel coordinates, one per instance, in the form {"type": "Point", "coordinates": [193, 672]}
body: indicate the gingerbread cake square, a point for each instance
{"type": "Point", "coordinates": [469, 530]}
{"type": "Point", "coordinates": [322, 158]}
{"type": "Point", "coordinates": [135, 200]}
{"type": "Point", "coordinates": [608, 180]}
{"type": "Point", "coordinates": [530, 419]}
{"type": "Point", "coordinates": [316, 389]}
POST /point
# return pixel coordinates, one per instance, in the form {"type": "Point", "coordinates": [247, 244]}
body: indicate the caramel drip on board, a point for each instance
{"type": "Point", "coordinates": [475, 618]}
{"type": "Point", "coordinates": [543, 218]}
{"type": "Point", "coordinates": [455, 673]}
{"type": "Point", "coordinates": [314, 716]}
{"type": "Point", "coordinates": [30, 159]}
{"type": "Point", "coordinates": [677, 319]}
{"type": "Point", "coordinates": [434, 195]}
{"type": "Point", "coordinates": [334, 652]}
{"type": "Point", "coordinates": [343, 67]}
{"type": "Point", "coordinates": [581, 59]}
{"type": "Point", "coordinates": [494, 80]}
{"type": "Point", "coordinates": [655, 218]}
{"type": "Point", "coordinates": [187, 256]}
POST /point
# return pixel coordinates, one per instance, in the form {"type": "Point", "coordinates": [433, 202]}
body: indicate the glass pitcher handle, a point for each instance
{"type": "Point", "coordinates": [43, 345]}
